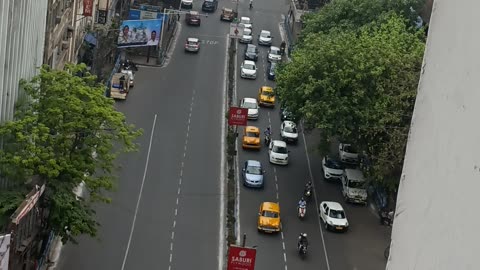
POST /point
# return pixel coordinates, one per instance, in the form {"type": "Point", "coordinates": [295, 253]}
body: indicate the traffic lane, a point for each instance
{"type": "Point", "coordinates": [363, 245]}
{"type": "Point", "coordinates": [197, 222]}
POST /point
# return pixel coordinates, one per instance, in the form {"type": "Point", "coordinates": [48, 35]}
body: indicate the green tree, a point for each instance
{"type": "Point", "coordinates": [352, 14]}
{"type": "Point", "coordinates": [358, 85]}
{"type": "Point", "coordinates": [70, 133]}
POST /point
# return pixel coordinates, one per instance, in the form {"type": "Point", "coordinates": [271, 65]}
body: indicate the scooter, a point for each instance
{"type": "Point", "coordinates": [302, 250]}
{"type": "Point", "coordinates": [302, 210]}
{"type": "Point", "coordinates": [307, 193]}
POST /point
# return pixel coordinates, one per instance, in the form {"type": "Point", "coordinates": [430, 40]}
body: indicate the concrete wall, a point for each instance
{"type": "Point", "coordinates": [22, 30]}
{"type": "Point", "coordinates": [436, 220]}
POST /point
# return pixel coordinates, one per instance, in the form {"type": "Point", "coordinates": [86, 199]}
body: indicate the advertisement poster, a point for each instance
{"type": "Point", "coordinates": [87, 8]}
{"type": "Point", "coordinates": [241, 258]}
{"type": "Point", "coordinates": [139, 33]}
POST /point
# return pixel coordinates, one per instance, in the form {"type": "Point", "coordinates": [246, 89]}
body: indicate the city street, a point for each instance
{"type": "Point", "coordinates": [360, 248]}
{"type": "Point", "coordinates": [169, 190]}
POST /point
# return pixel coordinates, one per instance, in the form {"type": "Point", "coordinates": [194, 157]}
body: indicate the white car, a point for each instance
{"type": "Point", "coordinates": [265, 38]}
{"type": "Point", "coordinates": [252, 105]}
{"type": "Point", "coordinates": [332, 169]}
{"type": "Point", "coordinates": [187, 4]}
{"type": "Point", "coordinates": [347, 153]}
{"type": "Point", "coordinates": [278, 152]}
{"type": "Point", "coordinates": [288, 131]}
{"type": "Point", "coordinates": [333, 216]}
{"type": "Point", "coordinates": [248, 70]}
{"type": "Point", "coordinates": [246, 22]}
{"type": "Point", "coordinates": [247, 36]}
{"type": "Point", "coordinates": [274, 54]}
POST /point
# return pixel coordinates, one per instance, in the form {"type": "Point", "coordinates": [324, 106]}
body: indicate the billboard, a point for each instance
{"type": "Point", "coordinates": [136, 14]}
{"type": "Point", "coordinates": [237, 116]}
{"type": "Point", "coordinates": [87, 8]}
{"type": "Point", "coordinates": [241, 258]}
{"type": "Point", "coordinates": [138, 33]}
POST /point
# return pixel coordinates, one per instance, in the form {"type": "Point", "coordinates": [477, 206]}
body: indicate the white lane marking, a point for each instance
{"type": "Point", "coordinates": [171, 257]}
{"type": "Point", "coordinates": [221, 218]}
{"type": "Point", "coordinates": [171, 246]}
{"type": "Point", "coordinates": [285, 257]}
{"type": "Point", "coordinates": [281, 233]}
{"type": "Point", "coordinates": [269, 121]}
{"type": "Point", "coordinates": [139, 193]}
{"type": "Point", "coordinates": [283, 244]}
{"type": "Point", "coordinates": [173, 235]}
{"type": "Point", "coordinates": [174, 224]}
{"type": "Point", "coordinates": [316, 200]}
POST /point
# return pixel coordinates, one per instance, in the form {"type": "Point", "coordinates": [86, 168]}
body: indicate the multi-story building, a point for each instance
{"type": "Point", "coordinates": [22, 32]}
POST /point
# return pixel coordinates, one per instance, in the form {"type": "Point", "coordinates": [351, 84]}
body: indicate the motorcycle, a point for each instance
{"type": "Point", "coordinates": [307, 193]}
{"type": "Point", "coordinates": [302, 250]}
{"type": "Point", "coordinates": [302, 210]}
{"type": "Point", "coordinates": [267, 140]}
{"type": "Point", "coordinates": [386, 217]}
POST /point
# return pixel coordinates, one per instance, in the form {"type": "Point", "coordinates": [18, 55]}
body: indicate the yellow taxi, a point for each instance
{"type": "Point", "coordinates": [251, 137]}
{"type": "Point", "coordinates": [269, 217]}
{"type": "Point", "coordinates": [266, 96]}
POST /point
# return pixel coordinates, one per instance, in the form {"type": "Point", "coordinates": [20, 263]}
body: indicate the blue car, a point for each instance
{"type": "Point", "coordinates": [271, 71]}
{"type": "Point", "coordinates": [252, 174]}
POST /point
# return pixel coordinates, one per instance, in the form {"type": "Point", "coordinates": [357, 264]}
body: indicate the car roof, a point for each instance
{"type": "Point", "coordinates": [192, 39]}
{"type": "Point", "coordinates": [333, 205]}
{"type": "Point", "coordinates": [254, 163]}
{"type": "Point", "coordinates": [355, 175]}
{"type": "Point", "coordinates": [250, 100]}
{"type": "Point", "coordinates": [274, 48]}
{"type": "Point", "coordinates": [252, 129]}
{"type": "Point", "coordinates": [265, 31]}
{"type": "Point", "coordinates": [251, 45]}
{"type": "Point", "coordinates": [267, 88]}
{"type": "Point", "coordinates": [271, 206]}
{"type": "Point", "coordinates": [289, 123]}
{"type": "Point", "coordinates": [227, 9]}
{"type": "Point", "coordinates": [249, 62]}
{"type": "Point", "coordinates": [279, 143]}
{"type": "Point", "coordinates": [245, 18]}
{"type": "Point", "coordinates": [192, 12]}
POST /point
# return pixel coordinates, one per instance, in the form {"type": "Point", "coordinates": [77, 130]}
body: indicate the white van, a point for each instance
{"type": "Point", "coordinates": [354, 186]}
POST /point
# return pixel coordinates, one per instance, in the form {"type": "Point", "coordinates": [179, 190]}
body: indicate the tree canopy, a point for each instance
{"type": "Point", "coordinates": [68, 134]}
{"type": "Point", "coordinates": [358, 85]}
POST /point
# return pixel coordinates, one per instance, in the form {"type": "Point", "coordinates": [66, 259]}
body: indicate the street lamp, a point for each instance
{"type": "Point", "coordinates": [168, 11]}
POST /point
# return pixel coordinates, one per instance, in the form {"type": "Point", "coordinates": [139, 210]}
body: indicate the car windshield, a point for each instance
{"type": "Point", "coordinates": [245, 20]}
{"type": "Point", "coordinates": [249, 66]}
{"type": "Point", "coordinates": [265, 34]}
{"type": "Point", "coordinates": [250, 105]}
{"type": "Point", "coordinates": [356, 184]}
{"type": "Point", "coordinates": [251, 49]}
{"type": "Point", "coordinates": [274, 51]}
{"type": "Point", "coordinates": [330, 163]}
{"type": "Point", "coordinates": [254, 170]}
{"type": "Point", "coordinates": [247, 31]}
{"type": "Point", "coordinates": [252, 134]}
{"type": "Point", "coordinates": [270, 214]}
{"type": "Point", "coordinates": [349, 149]}
{"type": "Point", "coordinates": [290, 129]}
{"type": "Point", "coordinates": [279, 149]}
{"type": "Point", "coordinates": [338, 214]}
{"type": "Point", "coordinates": [190, 42]}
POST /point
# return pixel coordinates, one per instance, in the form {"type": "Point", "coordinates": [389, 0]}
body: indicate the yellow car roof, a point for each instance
{"type": "Point", "coordinates": [271, 206]}
{"type": "Point", "coordinates": [252, 129]}
{"type": "Point", "coordinates": [267, 88]}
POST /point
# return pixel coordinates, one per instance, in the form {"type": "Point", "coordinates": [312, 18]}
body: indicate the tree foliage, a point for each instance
{"type": "Point", "coordinates": [358, 85]}
{"type": "Point", "coordinates": [352, 14]}
{"type": "Point", "coordinates": [70, 133]}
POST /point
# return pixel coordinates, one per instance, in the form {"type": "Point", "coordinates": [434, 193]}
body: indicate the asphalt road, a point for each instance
{"type": "Point", "coordinates": [177, 170]}
{"type": "Point", "coordinates": [360, 248]}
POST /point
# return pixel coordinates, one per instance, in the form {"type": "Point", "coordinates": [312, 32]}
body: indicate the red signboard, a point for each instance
{"type": "Point", "coordinates": [238, 116]}
{"type": "Point", "coordinates": [241, 258]}
{"type": "Point", "coordinates": [87, 8]}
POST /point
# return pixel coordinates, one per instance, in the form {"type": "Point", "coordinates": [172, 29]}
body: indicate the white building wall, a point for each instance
{"type": "Point", "coordinates": [22, 30]}
{"type": "Point", "coordinates": [437, 220]}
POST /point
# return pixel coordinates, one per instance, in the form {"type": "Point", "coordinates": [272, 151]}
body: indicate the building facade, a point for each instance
{"type": "Point", "coordinates": [22, 32]}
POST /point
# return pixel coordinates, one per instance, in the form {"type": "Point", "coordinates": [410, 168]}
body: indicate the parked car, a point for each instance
{"type": "Point", "coordinates": [274, 54]}
{"type": "Point", "coordinates": [251, 52]}
{"type": "Point", "coordinates": [265, 38]}
{"type": "Point", "coordinates": [253, 174]}
{"type": "Point", "coordinates": [247, 36]}
{"type": "Point", "coordinates": [251, 138]}
{"type": "Point", "coordinates": [228, 14]}
{"type": "Point", "coordinates": [271, 70]}
{"type": "Point", "coordinates": [245, 22]}
{"type": "Point", "coordinates": [288, 131]}
{"type": "Point", "coordinates": [192, 45]}
{"type": "Point", "coordinates": [248, 70]}
{"type": "Point", "coordinates": [193, 18]}
{"type": "Point", "coordinates": [266, 96]}
{"type": "Point", "coordinates": [332, 168]}
{"type": "Point", "coordinates": [186, 4]}
{"type": "Point", "coordinates": [210, 5]}
{"type": "Point", "coordinates": [354, 186]}
{"type": "Point", "coordinates": [286, 114]}
{"type": "Point", "coordinates": [333, 216]}
{"type": "Point", "coordinates": [269, 217]}
{"type": "Point", "coordinates": [347, 153]}
{"type": "Point", "coordinates": [252, 106]}
{"type": "Point", "coordinates": [278, 152]}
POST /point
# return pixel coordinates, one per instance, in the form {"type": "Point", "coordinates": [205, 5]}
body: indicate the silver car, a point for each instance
{"type": "Point", "coordinates": [252, 173]}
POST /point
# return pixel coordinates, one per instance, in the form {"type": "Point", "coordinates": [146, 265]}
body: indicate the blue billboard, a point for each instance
{"type": "Point", "coordinates": [139, 33]}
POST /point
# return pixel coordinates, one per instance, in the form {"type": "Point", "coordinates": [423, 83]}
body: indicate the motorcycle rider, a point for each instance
{"type": "Point", "coordinates": [268, 135]}
{"type": "Point", "coordinates": [302, 241]}
{"type": "Point", "coordinates": [251, 4]}
{"type": "Point", "coordinates": [308, 186]}
{"type": "Point", "coordinates": [302, 203]}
